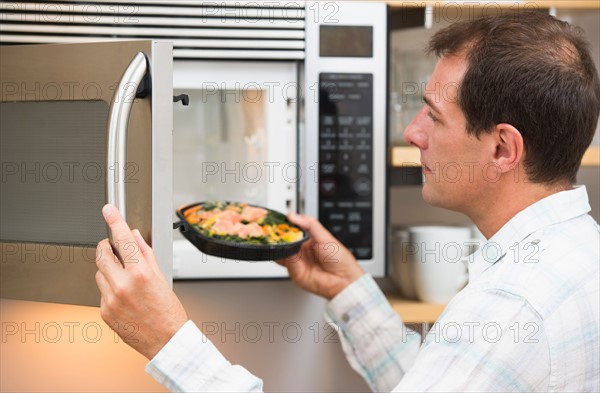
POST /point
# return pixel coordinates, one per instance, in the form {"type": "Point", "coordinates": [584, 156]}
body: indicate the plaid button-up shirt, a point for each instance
{"type": "Point", "coordinates": [527, 321]}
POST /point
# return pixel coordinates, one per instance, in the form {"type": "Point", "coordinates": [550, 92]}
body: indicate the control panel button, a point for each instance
{"type": "Point", "coordinates": [337, 97]}
{"type": "Point", "coordinates": [329, 156]}
{"type": "Point", "coordinates": [336, 228]}
{"type": "Point", "coordinates": [363, 120]}
{"type": "Point", "coordinates": [345, 132]}
{"type": "Point", "coordinates": [363, 132]}
{"type": "Point", "coordinates": [328, 86]}
{"type": "Point", "coordinates": [328, 169]}
{"type": "Point", "coordinates": [328, 187]}
{"type": "Point", "coordinates": [345, 120]}
{"type": "Point", "coordinates": [363, 169]}
{"type": "Point", "coordinates": [362, 186]}
{"type": "Point", "coordinates": [354, 216]}
{"type": "Point", "coordinates": [328, 146]}
{"type": "Point", "coordinates": [363, 252]}
{"type": "Point", "coordinates": [328, 120]}
{"type": "Point", "coordinates": [363, 145]}
{"type": "Point", "coordinates": [327, 133]}
{"type": "Point", "coordinates": [337, 216]}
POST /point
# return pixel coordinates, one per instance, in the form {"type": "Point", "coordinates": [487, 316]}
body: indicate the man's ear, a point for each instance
{"type": "Point", "coordinates": [509, 147]}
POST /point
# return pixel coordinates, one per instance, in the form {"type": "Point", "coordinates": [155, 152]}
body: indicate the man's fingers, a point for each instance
{"type": "Point", "coordinates": [297, 268]}
{"type": "Point", "coordinates": [106, 296]}
{"type": "Point", "coordinates": [147, 252]}
{"type": "Point", "coordinates": [125, 243]}
{"type": "Point", "coordinates": [144, 247]}
{"type": "Point", "coordinates": [316, 230]}
{"type": "Point", "coordinates": [103, 285]}
{"type": "Point", "coordinates": [107, 261]}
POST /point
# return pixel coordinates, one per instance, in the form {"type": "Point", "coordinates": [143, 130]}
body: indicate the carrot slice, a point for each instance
{"type": "Point", "coordinates": [192, 210]}
{"type": "Point", "coordinates": [193, 219]}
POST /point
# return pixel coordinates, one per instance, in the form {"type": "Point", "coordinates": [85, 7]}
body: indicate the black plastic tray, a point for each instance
{"type": "Point", "coordinates": [237, 251]}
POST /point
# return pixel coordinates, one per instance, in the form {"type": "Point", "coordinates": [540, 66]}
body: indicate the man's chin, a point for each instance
{"type": "Point", "coordinates": [428, 197]}
{"type": "Point", "coordinates": [434, 199]}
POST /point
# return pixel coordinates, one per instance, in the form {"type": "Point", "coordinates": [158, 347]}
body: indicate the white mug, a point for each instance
{"type": "Point", "coordinates": [429, 261]}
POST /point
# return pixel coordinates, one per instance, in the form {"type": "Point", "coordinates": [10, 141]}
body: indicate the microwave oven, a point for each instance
{"type": "Point", "coordinates": [287, 110]}
{"type": "Point", "coordinates": [307, 135]}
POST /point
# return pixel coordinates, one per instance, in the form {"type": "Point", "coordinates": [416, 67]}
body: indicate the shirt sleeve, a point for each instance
{"type": "Point", "coordinates": [376, 342]}
{"type": "Point", "coordinates": [486, 340]}
{"type": "Point", "coordinates": [190, 362]}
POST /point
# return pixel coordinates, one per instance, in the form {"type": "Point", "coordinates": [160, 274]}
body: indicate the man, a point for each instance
{"type": "Point", "coordinates": [522, 113]}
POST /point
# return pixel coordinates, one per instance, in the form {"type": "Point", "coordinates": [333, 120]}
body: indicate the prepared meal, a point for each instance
{"type": "Point", "coordinates": [242, 223]}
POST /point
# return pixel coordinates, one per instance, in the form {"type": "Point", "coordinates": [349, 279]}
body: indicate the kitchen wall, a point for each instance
{"type": "Point", "coordinates": [299, 354]}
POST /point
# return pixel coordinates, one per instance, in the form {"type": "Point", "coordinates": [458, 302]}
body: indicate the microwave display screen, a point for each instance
{"type": "Point", "coordinates": [346, 41]}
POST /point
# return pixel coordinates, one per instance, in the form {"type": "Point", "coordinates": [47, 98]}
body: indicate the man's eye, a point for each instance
{"type": "Point", "coordinates": [432, 117]}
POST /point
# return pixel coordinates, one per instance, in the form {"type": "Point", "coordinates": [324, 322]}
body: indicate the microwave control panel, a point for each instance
{"type": "Point", "coordinates": [345, 173]}
{"type": "Point", "coordinates": [344, 147]}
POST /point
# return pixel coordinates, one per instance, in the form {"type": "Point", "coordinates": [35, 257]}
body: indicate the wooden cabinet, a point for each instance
{"type": "Point", "coordinates": [408, 156]}
{"type": "Point", "coordinates": [415, 312]}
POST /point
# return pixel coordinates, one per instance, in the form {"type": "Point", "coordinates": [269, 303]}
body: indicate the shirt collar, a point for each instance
{"type": "Point", "coordinates": [558, 207]}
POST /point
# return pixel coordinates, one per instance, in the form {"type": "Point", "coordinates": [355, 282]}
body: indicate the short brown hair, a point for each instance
{"type": "Point", "coordinates": [534, 72]}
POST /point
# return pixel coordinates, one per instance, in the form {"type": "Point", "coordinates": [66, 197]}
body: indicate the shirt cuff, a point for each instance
{"type": "Point", "coordinates": [189, 359]}
{"type": "Point", "coordinates": [360, 308]}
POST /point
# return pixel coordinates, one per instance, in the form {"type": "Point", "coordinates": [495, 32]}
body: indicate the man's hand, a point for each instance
{"type": "Point", "coordinates": [137, 301]}
{"type": "Point", "coordinates": [323, 266]}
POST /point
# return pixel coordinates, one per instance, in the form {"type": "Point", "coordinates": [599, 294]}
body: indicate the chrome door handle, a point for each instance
{"type": "Point", "coordinates": [118, 118]}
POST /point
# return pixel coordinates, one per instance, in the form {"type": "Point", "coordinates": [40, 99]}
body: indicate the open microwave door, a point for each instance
{"type": "Point", "coordinates": [79, 124]}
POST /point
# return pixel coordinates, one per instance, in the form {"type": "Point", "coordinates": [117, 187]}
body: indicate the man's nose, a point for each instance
{"type": "Point", "coordinates": [416, 132]}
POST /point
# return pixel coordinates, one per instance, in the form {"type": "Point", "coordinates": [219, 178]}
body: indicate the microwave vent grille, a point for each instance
{"type": "Point", "coordinates": [245, 30]}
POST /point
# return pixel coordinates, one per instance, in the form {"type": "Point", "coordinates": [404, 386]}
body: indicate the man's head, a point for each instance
{"type": "Point", "coordinates": [535, 73]}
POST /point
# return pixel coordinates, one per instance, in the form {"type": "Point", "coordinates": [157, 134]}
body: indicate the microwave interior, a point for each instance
{"type": "Point", "coordinates": [237, 142]}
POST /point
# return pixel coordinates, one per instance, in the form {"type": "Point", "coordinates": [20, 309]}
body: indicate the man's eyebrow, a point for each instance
{"type": "Point", "coordinates": [430, 104]}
